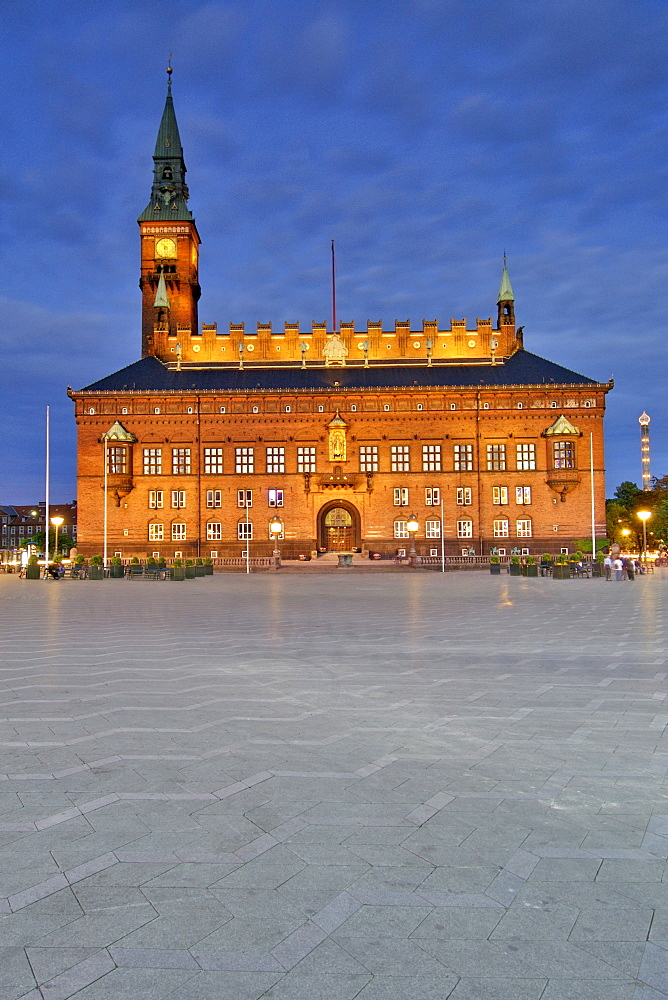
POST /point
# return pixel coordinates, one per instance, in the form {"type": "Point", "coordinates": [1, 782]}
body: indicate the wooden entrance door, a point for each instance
{"type": "Point", "coordinates": [339, 535]}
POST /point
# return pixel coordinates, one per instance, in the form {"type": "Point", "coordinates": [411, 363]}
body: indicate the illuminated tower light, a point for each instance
{"type": "Point", "coordinates": [643, 420]}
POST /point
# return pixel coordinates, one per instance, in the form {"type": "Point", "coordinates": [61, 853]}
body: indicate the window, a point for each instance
{"type": "Point", "coordinates": [563, 453]}
{"type": "Point", "coordinates": [288, 409]}
{"type": "Point", "coordinates": [156, 532]}
{"type": "Point", "coordinates": [275, 460]}
{"type": "Point", "coordinates": [152, 461]}
{"type": "Point", "coordinates": [213, 554]}
{"type": "Point", "coordinates": [523, 494]}
{"type": "Point", "coordinates": [214, 498]}
{"type": "Point", "coordinates": [432, 496]}
{"type": "Point", "coordinates": [524, 529]}
{"type": "Point", "coordinates": [432, 529]}
{"type": "Point", "coordinates": [553, 405]}
{"type": "Point", "coordinates": [214, 531]}
{"type": "Point", "coordinates": [222, 409]}
{"type": "Point", "coordinates": [453, 406]}
{"type": "Point", "coordinates": [117, 460]}
{"type": "Point", "coordinates": [431, 458]}
{"type": "Point", "coordinates": [420, 406]}
{"type": "Point", "coordinates": [124, 410]}
{"type": "Point", "coordinates": [386, 406]}
{"type": "Point", "coordinates": [256, 409]}
{"type": "Point", "coordinates": [464, 496]}
{"type": "Point", "coordinates": [500, 494]}
{"type": "Point", "coordinates": [306, 458]}
{"type": "Point", "coordinates": [401, 459]}
{"type": "Point", "coordinates": [155, 499]}
{"type": "Point", "coordinates": [245, 531]}
{"type": "Point", "coordinates": [369, 458]}
{"type": "Point", "coordinates": [180, 461]}
{"type": "Point", "coordinates": [244, 460]}
{"type": "Point", "coordinates": [275, 498]}
{"type": "Point", "coordinates": [464, 529]}
{"type": "Point", "coordinates": [91, 411]}
{"type": "Point", "coordinates": [401, 496]}
{"type": "Point", "coordinates": [520, 406]}
{"type": "Point", "coordinates": [485, 406]}
{"type": "Point", "coordinates": [178, 532]}
{"type": "Point", "coordinates": [156, 409]}
{"type": "Point", "coordinates": [244, 498]}
{"type": "Point", "coordinates": [400, 530]}
{"type": "Point", "coordinates": [321, 409]}
{"type": "Point", "coordinates": [501, 529]}
{"type": "Point", "coordinates": [29, 529]}
{"type": "Point", "coordinates": [526, 457]}
{"type": "Point", "coordinates": [178, 498]}
{"type": "Point", "coordinates": [496, 457]}
{"type": "Point", "coordinates": [463, 458]}
{"type": "Point", "coordinates": [353, 408]}
{"type": "Point", "coordinates": [213, 461]}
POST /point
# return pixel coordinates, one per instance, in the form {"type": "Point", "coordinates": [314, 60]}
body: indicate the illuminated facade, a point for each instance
{"type": "Point", "coordinates": [341, 433]}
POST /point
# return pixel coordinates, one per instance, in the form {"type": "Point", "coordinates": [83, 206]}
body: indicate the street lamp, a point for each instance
{"type": "Point", "coordinates": [644, 516]}
{"type": "Point", "coordinates": [412, 527]}
{"type": "Point", "coordinates": [276, 529]}
{"type": "Point", "coordinates": [625, 535]}
{"type": "Point", "coordinates": [56, 522]}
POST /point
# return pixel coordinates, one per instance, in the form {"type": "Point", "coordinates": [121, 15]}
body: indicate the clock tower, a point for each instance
{"type": "Point", "coordinates": [169, 249]}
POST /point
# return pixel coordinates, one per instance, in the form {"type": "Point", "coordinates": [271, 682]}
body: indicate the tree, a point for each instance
{"type": "Point", "coordinates": [624, 525]}
{"type": "Point", "coordinates": [65, 542]}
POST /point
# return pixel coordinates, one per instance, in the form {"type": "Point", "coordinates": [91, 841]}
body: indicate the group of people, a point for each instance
{"type": "Point", "coordinates": [623, 567]}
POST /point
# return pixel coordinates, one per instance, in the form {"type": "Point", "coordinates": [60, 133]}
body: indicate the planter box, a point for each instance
{"type": "Point", "coordinates": [597, 570]}
{"type": "Point", "coordinates": [514, 569]}
{"type": "Point", "coordinates": [208, 570]}
{"type": "Point", "coordinates": [117, 572]}
{"type": "Point", "coordinates": [495, 569]}
{"type": "Point", "coordinates": [200, 570]}
{"type": "Point", "coordinates": [177, 573]}
{"type": "Point", "coordinates": [561, 572]}
{"type": "Point", "coordinates": [33, 572]}
{"type": "Point", "coordinates": [96, 573]}
{"type": "Point", "coordinates": [531, 571]}
{"type": "Point", "coordinates": [190, 572]}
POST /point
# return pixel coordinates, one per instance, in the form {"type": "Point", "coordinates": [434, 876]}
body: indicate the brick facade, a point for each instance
{"type": "Point", "coordinates": [341, 434]}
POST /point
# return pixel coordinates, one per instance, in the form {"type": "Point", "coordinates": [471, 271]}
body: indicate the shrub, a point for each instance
{"type": "Point", "coordinates": [530, 560]}
{"type": "Point", "coordinates": [515, 560]}
{"type": "Point", "coordinates": [198, 562]}
{"type": "Point", "coordinates": [177, 563]}
{"type": "Point", "coordinates": [495, 559]}
{"type": "Point", "coordinates": [96, 560]}
{"type": "Point", "coordinates": [32, 560]}
{"type": "Point", "coordinates": [80, 560]}
{"type": "Point", "coordinates": [189, 562]}
{"type": "Point", "coordinates": [135, 561]}
{"type": "Point", "coordinates": [115, 561]}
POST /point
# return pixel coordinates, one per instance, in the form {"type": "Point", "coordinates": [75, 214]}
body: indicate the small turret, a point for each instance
{"type": "Point", "coordinates": [506, 299]}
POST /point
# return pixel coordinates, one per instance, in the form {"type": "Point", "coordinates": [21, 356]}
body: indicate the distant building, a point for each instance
{"type": "Point", "coordinates": [20, 523]}
{"type": "Point", "coordinates": [340, 433]}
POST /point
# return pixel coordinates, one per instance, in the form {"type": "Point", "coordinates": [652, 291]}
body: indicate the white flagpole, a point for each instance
{"type": "Point", "coordinates": [593, 507]}
{"type": "Point", "coordinates": [247, 540]}
{"type": "Point", "coordinates": [106, 470]}
{"type": "Point", "coordinates": [442, 541]}
{"type": "Point", "coordinates": [47, 493]}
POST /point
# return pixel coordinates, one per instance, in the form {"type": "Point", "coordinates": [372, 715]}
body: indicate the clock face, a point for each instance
{"type": "Point", "coordinates": [165, 248]}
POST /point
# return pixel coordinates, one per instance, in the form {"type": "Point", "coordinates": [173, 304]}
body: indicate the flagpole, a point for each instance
{"type": "Point", "coordinates": [333, 291]}
{"type": "Point", "coordinates": [593, 506]}
{"type": "Point", "coordinates": [442, 541]}
{"type": "Point", "coordinates": [47, 494]}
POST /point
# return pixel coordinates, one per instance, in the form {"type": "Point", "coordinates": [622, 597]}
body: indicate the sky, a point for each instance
{"type": "Point", "coordinates": [426, 137]}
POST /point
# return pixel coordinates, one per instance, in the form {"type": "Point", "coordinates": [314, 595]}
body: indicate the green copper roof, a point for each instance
{"type": "Point", "coordinates": [505, 288]}
{"type": "Point", "coordinates": [169, 194]}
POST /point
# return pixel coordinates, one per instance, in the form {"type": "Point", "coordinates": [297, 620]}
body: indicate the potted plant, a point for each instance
{"type": "Point", "coordinates": [32, 569]}
{"type": "Point", "coordinates": [190, 570]}
{"type": "Point", "coordinates": [208, 567]}
{"type": "Point", "coordinates": [199, 567]}
{"type": "Point", "coordinates": [116, 568]}
{"type": "Point", "coordinates": [95, 568]}
{"type": "Point", "coordinates": [530, 566]}
{"type": "Point", "coordinates": [495, 565]}
{"type": "Point", "coordinates": [561, 569]}
{"type": "Point", "coordinates": [515, 567]}
{"type": "Point", "coordinates": [177, 571]}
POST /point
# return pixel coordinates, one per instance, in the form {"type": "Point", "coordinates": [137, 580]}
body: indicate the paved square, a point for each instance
{"type": "Point", "coordinates": [332, 785]}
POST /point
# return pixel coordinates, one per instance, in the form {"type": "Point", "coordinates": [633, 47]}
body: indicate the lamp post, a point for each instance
{"type": "Point", "coordinates": [625, 535]}
{"type": "Point", "coordinates": [644, 516]}
{"type": "Point", "coordinates": [412, 527]}
{"type": "Point", "coordinates": [276, 529]}
{"type": "Point", "coordinates": [56, 521]}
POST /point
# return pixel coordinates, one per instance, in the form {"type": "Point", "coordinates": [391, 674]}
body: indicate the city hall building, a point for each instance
{"type": "Point", "coordinates": [341, 434]}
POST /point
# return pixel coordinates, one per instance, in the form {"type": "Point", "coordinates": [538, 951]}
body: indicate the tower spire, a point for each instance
{"type": "Point", "coordinates": [169, 194]}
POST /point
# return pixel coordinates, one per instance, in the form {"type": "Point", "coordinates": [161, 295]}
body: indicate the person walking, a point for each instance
{"type": "Point", "coordinates": [607, 563]}
{"type": "Point", "coordinates": [618, 567]}
{"type": "Point", "coordinates": [629, 569]}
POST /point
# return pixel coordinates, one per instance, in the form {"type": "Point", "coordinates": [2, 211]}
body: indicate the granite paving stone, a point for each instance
{"type": "Point", "coordinates": [401, 786]}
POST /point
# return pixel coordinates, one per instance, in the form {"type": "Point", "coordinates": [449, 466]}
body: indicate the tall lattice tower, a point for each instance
{"type": "Point", "coordinates": [643, 420]}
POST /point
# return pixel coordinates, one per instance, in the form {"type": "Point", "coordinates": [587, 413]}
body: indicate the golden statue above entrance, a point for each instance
{"type": "Point", "coordinates": [337, 439]}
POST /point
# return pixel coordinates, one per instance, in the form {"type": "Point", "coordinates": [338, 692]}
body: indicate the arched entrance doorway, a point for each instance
{"type": "Point", "coordinates": [339, 527]}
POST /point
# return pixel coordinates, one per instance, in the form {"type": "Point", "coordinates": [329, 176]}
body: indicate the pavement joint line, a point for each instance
{"type": "Point", "coordinates": [75, 979]}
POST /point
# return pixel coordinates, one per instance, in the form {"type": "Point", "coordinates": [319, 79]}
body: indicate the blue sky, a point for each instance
{"type": "Point", "coordinates": [426, 137]}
